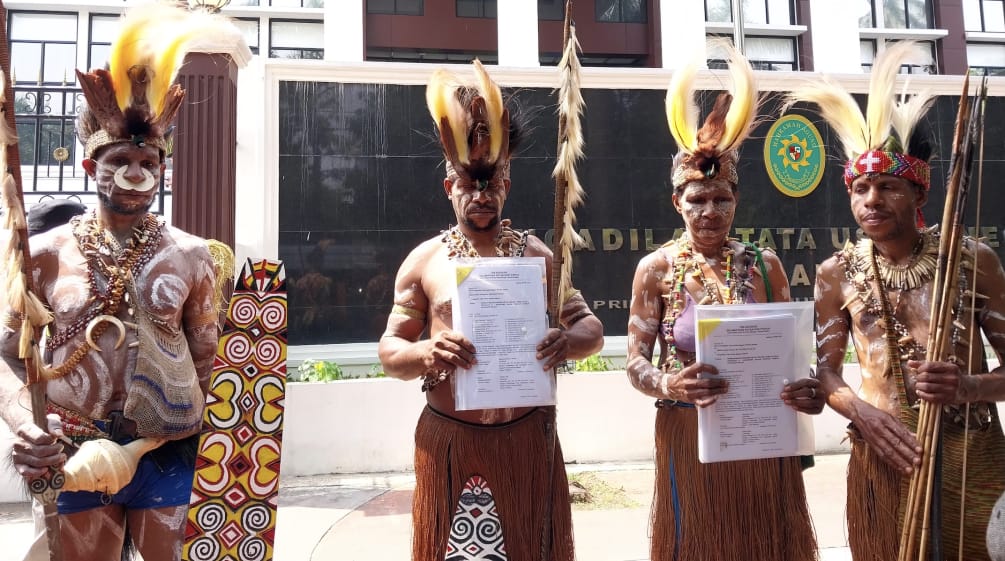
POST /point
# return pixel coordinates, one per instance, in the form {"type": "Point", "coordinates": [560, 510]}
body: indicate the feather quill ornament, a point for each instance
{"type": "Point", "coordinates": [711, 150]}
{"type": "Point", "coordinates": [450, 116]}
{"type": "Point", "coordinates": [861, 132]}
{"type": "Point", "coordinates": [570, 151]}
{"type": "Point", "coordinates": [473, 123]}
{"type": "Point", "coordinates": [136, 96]}
{"type": "Point", "coordinates": [22, 301]}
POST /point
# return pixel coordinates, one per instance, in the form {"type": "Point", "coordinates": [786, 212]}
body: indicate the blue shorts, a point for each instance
{"type": "Point", "coordinates": [163, 479]}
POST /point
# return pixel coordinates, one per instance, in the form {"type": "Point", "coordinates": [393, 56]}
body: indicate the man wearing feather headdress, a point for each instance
{"type": "Point", "coordinates": [489, 462]}
{"type": "Point", "coordinates": [879, 291]}
{"type": "Point", "coordinates": [754, 509]}
{"type": "Point", "coordinates": [135, 323]}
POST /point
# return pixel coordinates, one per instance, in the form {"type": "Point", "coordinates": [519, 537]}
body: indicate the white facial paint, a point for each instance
{"type": "Point", "coordinates": [122, 183]}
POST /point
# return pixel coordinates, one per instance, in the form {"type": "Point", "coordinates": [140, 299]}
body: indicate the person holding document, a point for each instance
{"type": "Point", "coordinates": [879, 291]}
{"type": "Point", "coordinates": [752, 509]}
{"type": "Point", "coordinates": [481, 475]}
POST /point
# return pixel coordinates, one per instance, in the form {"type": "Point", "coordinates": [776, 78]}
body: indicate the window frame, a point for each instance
{"type": "Point", "coordinates": [643, 11]}
{"type": "Point", "coordinates": [396, 11]}
{"type": "Point", "coordinates": [301, 49]}
{"type": "Point", "coordinates": [481, 9]}
{"type": "Point", "coordinates": [767, 11]}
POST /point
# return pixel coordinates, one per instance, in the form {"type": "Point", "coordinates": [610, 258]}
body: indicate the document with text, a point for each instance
{"type": "Point", "coordinates": [500, 305]}
{"type": "Point", "coordinates": [758, 355]}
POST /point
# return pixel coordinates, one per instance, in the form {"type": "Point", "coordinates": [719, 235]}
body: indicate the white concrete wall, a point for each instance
{"type": "Point", "coordinates": [835, 37]}
{"type": "Point", "coordinates": [368, 425]}
{"type": "Point", "coordinates": [517, 25]}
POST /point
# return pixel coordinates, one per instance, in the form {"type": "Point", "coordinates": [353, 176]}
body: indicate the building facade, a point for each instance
{"type": "Point", "coordinates": [338, 172]}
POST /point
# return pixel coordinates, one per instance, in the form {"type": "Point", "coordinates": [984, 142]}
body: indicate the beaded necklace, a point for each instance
{"type": "Point", "coordinates": [863, 266]}
{"type": "Point", "coordinates": [685, 263]}
{"type": "Point", "coordinates": [509, 242]}
{"type": "Point", "coordinates": [109, 261]}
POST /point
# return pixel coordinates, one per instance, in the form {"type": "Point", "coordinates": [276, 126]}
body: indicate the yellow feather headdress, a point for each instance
{"type": "Point", "coordinates": [880, 140]}
{"type": "Point", "coordinates": [710, 151]}
{"type": "Point", "coordinates": [134, 99]}
{"type": "Point", "coordinates": [473, 124]}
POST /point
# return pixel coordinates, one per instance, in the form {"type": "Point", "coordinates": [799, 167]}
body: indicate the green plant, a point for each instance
{"type": "Point", "coordinates": [319, 371]}
{"type": "Point", "coordinates": [376, 371]}
{"type": "Point", "coordinates": [594, 363]}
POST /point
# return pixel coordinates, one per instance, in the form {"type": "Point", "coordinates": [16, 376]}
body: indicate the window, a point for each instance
{"type": "Point", "coordinates": [986, 58]}
{"type": "Point", "coordinates": [869, 51]}
{"type": "Point", "coordinates": [774, 12]}
{"type": "Point", "coordinates": [984, 15]}
{"type": "Point", "coordinates": [297, 39]}
{"type": "Point", "coordinates": [551, 10]}
{"type": "Point", "coordinates": [295, 3]}
{"type": "Point", "coordinates": [103, 31]}
{"type": "Point", "coordinates": [43, 48]}
{"type": "Point", "coordinates": [621, 11]}
{"type": "Point", "coordinates": [429, 56]}
{"type": "Point", "coordinates": [895, 14]}
{"type": "Point", "coordinates": [249, 30]}
{"type": "Point", "coordinates": [396, 7]}
{"type": "Point", "coordinates": [476, 8]}
{"type": "Point", "coordinates": [764, 53]}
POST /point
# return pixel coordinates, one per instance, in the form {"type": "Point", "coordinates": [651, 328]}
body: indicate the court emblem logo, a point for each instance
{"type": "Point", "coordinates": [794, 155]}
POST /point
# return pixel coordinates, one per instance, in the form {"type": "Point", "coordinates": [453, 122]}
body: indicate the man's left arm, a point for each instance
{"type": "Point", "coordinates": [942, 382]}
{"type": "Point", "coordinates": [200, 318]}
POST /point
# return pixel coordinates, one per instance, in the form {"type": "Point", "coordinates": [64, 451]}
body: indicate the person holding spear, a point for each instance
{"type": "Point", "coordinates": [134, 329]}
{"type": "Point", "coordinates": [884, 291]}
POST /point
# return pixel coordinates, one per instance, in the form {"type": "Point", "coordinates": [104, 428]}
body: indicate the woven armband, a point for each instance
{"type": "Point", "coordinates": [410, 312]}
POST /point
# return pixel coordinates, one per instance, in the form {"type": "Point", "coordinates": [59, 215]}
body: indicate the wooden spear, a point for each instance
{"type": "Point", "coordinates": [568, 195]}
{"type": "Point", "coordinates": [44, 489]}
{"type": "Point", "coordinates": [944, 291]}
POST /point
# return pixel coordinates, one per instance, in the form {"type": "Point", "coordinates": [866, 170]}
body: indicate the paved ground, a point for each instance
{"type": "Point", "coordinates": [367, 517]}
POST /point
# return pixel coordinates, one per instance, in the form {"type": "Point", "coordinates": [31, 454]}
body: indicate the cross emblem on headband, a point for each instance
{"type": "Point", "coordinates": [870, 161]}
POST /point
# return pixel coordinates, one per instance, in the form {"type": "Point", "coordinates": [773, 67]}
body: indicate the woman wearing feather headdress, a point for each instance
{"type": "Point", "coordinates": [483, 477]}
{"type": "Point", "coordinates": [720, 511]}
{"type": "Point", "coordinates": [879, 291]}
{"type": "Point", "coordinates": [134, 327]}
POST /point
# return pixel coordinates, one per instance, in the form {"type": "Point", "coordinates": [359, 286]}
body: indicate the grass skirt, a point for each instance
{"type": "Point", "coordinates": [876, 494]}
{"type": "Point", "coordinates": [727, 511]}
{"type": "Point", "coordinates": [513, 459]}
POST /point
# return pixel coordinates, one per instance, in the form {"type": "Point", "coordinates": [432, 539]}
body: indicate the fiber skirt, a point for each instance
{"type": "Point", "coordinates": [479, 490]}
{"type": "Point", "coordinates": [727, 511]}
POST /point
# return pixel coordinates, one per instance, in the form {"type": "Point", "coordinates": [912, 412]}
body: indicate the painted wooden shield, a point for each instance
{"type": "Point", "coordinates": [232, 515]}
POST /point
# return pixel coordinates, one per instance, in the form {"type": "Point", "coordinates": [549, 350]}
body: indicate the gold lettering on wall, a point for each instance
{"type": "Point", "coordinates": [799, 276]}
{"type": "Point", "coordinates": [612, 239]}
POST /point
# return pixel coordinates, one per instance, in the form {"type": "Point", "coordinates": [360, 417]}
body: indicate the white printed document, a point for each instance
{"type": "Point", "coordinates": [500, 306]}
{"type": "Point", "coordinates": [758, 354]}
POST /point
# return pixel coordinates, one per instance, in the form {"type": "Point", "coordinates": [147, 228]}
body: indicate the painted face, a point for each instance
{"type": "Point", "coordinates": [479, 210]}
{"type": "Point", "coordinates": [708, 208]}
{"type": "Point", "coordinates": [126, 177]}
{"type": "Point", "coordinates": [885, 206]}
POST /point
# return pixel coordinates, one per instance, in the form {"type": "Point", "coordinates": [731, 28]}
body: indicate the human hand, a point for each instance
{"type": "Point", "coordinates": [888, 438]}
{"type": "Point", "coordinates": [804, 395]}
{"type": "Point", "coordinates": [553, 349]}
{"type": "Point", "coordinates": [941, 382]}
{"type": "Point", "coordinates": [687, 386]}
{"type": "Point", "coordinates": [447, 351]}
{"type": "Point", "coordinates": [35, 451]}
